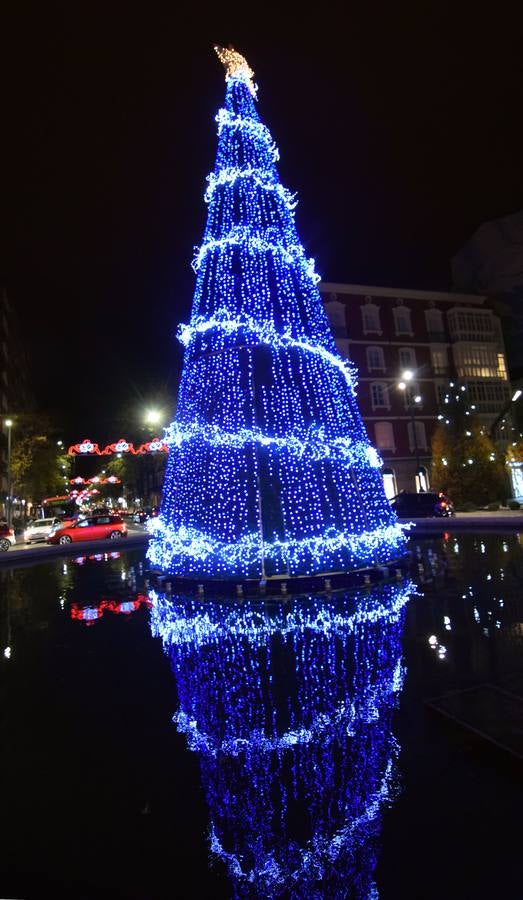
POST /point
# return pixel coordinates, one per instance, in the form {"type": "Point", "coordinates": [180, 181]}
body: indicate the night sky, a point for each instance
{"type": "Point", "coordinates": [399, 125]}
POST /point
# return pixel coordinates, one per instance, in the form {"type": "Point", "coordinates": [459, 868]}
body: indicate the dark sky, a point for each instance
{"type": "Point", "coordinates": [398, 124]}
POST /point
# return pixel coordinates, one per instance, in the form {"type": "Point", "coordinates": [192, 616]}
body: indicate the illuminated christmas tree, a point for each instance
{"type": "Point", "coordinates": [290, 710]}
{"type": "Point", "coordinates": [270, 470]}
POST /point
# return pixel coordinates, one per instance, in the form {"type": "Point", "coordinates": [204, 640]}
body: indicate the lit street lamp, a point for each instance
{"type": "Point", "coordinates": [153, 417]}
{"type": "Point", "coordinates": [149, 469]}
{"type": "Point", "coordinates": [8, 424]}
{"type": "Point", "coordinates": [412, 403]}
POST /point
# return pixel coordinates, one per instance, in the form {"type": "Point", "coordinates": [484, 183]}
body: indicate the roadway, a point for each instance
{"type": "Point", "coordinates": [22, 553]}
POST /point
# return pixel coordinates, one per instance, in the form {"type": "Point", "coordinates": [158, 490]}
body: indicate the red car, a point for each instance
{"type": "Point", "coordinates": [92, 528]}
{"type": "Point", "coordinates": [7, 537]}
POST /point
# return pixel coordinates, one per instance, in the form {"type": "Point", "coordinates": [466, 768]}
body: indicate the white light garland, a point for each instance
{"type": "Point", "coordinates": [314, 856]}
{"type": "Point", "coordinates": [345, 716]}
{"type": "Point", "coordinates": [265, 333]}
{"type": "Point", "coordinates": [210, 624]}
{"type": "Point", "coordinates": [184, 546]}
{"type": "Point", "coordinates": [260, 179]}
{"type": "Point", "coordinates": [252, 127]}
{"type": "Point", "coordinates": [314, 444]}
{"type": "Point", "coordinates": [242, 236]}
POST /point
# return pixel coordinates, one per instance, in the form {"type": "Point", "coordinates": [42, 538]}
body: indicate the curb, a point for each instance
{"type": "Point", "coordinates": [17, 558]}
{"type": "Point", "coordinates": [439, 525]}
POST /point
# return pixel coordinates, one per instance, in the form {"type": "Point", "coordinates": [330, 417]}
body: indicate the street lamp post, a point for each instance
{"type": "Point", "coordinates": [152, 418]}
{"type": "Point", "coordinates": [411, 406]}
{"type": "Point", "coordinates": [8, 424]}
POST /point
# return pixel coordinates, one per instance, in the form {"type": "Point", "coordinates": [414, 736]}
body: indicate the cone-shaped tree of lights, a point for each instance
{"type": "Point", "coordinates": [270, 470]}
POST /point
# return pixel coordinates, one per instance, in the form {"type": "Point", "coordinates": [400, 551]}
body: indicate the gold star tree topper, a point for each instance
{"type": "Point", "coordinates": [236, 65]}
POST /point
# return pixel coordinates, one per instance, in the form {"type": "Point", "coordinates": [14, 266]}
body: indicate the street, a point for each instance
{"type": "Point", "coordinates": [137, 537]}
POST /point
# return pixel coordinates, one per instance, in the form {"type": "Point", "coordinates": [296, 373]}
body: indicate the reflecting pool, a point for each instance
{"type": "Point", "coordinates": [355, 743]}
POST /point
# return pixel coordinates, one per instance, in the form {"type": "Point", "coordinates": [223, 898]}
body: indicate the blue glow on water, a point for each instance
{"type": "Point", "coordinates": [289, 707]}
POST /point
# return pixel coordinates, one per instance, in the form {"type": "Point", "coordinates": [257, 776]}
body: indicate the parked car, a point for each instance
{"type": "Point", "coordinates": [427, 503]}
{"type": "Point", "coordinates": [39, 529]}
{"type": "Point", "coordinates": [7, 537]}
{"type": "Point", "coordinates": [89, 529]}
{"type": "Point", "coordinates": [63, 523]}
{"type": "Point", "coordinates": [141, 515]}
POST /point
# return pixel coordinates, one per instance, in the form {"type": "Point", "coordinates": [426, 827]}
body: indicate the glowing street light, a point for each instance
{"type": "Point", "coordinates": [517, 395]}
{"type": "Point", "coordinates": [153, 417]}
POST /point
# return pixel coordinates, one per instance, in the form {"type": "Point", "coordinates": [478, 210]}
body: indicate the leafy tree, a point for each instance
{"type": "Point", "coordinates": [465, 463]}
{"type": "Point", "coordinates": [125, 468]}
{"type": "Point", "coordinates": [515, 452]}
{"type": "Point", "coordinates": [39, 468]}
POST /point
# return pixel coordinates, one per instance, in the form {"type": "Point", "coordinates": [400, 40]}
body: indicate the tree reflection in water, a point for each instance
{"type": "Point", "coordinates": [289, 706]}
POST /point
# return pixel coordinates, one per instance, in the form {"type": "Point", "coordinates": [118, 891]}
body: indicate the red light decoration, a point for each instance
{"type": "Point", "coordinates": [80, 560]}
{"type": "Point", "coordinates": [96, 480]}
{"type": "Point", "coordinates": [89, 448]}
{"type": "Point", "coordinates": [90, 614]}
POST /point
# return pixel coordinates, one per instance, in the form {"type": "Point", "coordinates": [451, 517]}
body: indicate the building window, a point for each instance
{"type": "Point", "coordinates": [420, 440]}
{"type": "Point", "coordinates": [336, 314]}
{"type": "Point", "coordinates": [471, 325]}
{"type": "Point", "coordinates": [407, 358]}
{"type": "Point", "coordinates": [434, 320]}
{"type": "Point", "coordinates": [476, 360]}
{"type": "Point", "coordinates": [379, 395]}
{"type": "Point", "coordinates": [402, 321]}
{"type": "Point", "coordinates": [371, 318]}
{"type": "Point", "coordinates": [389, 483]}
{"type": "Point", "coordinates": [384, 436]}
{"type": "Point", "coordinates": [502, 368]}
{"type": "Point", "coordinates": [440, 362]}
{"type": "Point", "coordinates": [488, 397]}
{"type": "Point", "coordinates": [375, 359]}
{"type": "Point", "coordinates": [422, 480]}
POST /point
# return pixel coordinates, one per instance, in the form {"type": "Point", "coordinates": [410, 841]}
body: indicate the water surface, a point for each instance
{"type": "Point", "coordinates": [156, 746]}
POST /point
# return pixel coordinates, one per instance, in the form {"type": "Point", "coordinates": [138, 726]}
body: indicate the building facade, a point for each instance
{"type": "Point", "coordinates": [429, 337]}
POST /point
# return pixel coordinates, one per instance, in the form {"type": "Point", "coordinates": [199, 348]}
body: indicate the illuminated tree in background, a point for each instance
{"type": "Point", "coordinates": [270, 469]}
{"type": "Point", "coordinates": [465, 462]}
{"type": "Point", "coordinates": [290, 711]}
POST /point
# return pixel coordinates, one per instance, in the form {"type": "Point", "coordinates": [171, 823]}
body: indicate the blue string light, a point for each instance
{"type": "Point", "coordinates": [270, 469]}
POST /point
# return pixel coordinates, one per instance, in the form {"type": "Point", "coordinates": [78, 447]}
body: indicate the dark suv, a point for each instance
{"type": "Point", "coordinates": [426, 503]}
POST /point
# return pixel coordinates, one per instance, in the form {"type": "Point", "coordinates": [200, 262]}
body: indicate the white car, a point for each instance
{"type": "Point", "coordinates": [38, 530]}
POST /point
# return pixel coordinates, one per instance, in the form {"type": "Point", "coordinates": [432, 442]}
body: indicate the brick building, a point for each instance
{"type": "Point", "coordinates": [434, 335]}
